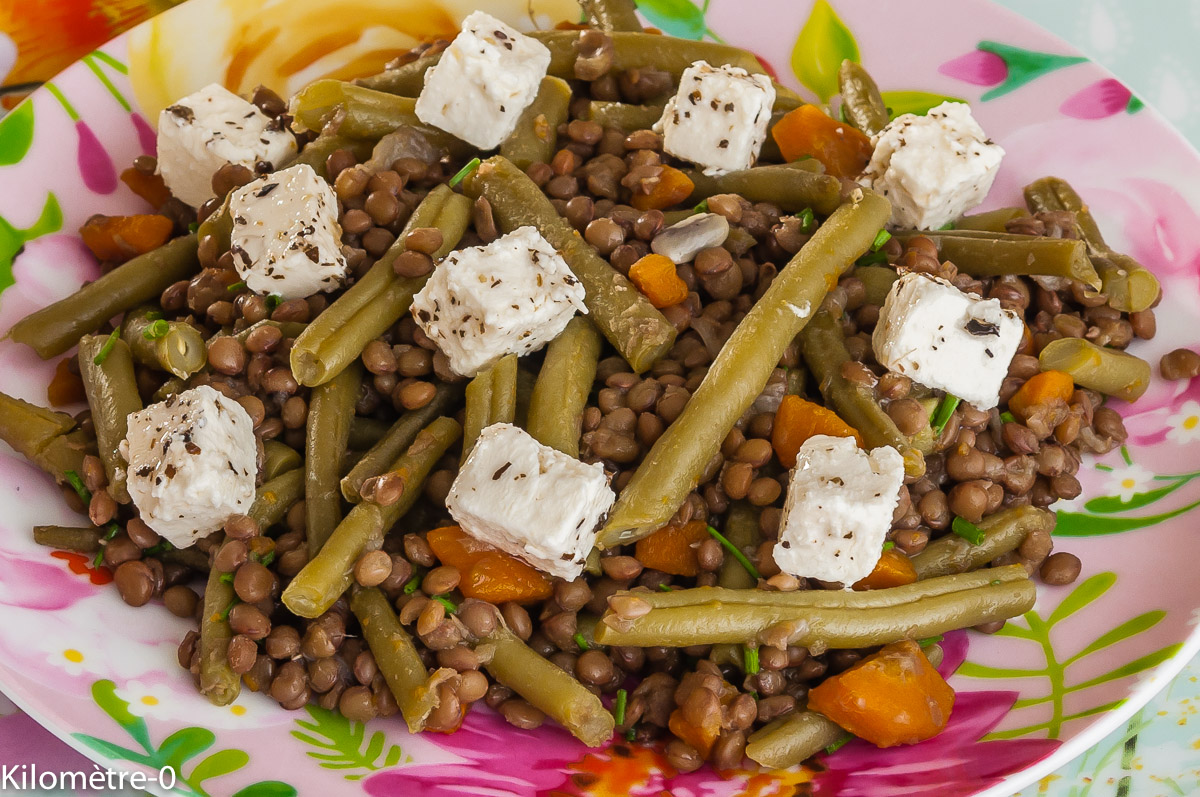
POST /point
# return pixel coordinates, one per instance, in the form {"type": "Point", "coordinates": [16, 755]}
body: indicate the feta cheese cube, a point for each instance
{"type": "Point", "coordinates": [286, 238]}
{"type": "Point", "coordinates": [838, 509]}
{"type": "Point", "coordinates": [512, 296]}
{"type": "Point", "coordinates": [208, 129]}
{"type": "Point", "coordinates": [943, 338]}
{"type": "Point", "coordinates": [933, 168]}
{"type": "Point", "coordinates": [192, 462]}
{"type": "Point", "coordinates": [530, 501]}
{"type": "Point", "coordinates": [487, 76]}
{"type": "Point", "coordinates": [718, 119]}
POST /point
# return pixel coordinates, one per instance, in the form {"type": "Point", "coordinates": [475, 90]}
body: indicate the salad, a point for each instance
{"type": "Point", "coordinates": [592, 375]}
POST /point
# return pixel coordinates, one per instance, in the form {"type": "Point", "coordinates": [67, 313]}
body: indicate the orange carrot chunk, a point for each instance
{"type": "Point", "coordinates": [149, 187]}
{"type": "Point", "coordinates": [655, 276]}
{"type": "Point", "coordinates": [672, 549]}
{"type": "Point", "coordinates": [893, 569]}
{"type": "Point", "coordinates": [799, 419]}
{"type": "Point", "coordinates": [673, 187]}
{"type": "Point", "coordinates": [119, 238]}
{"type": "Point", "coordinates": [842, 149]}
{"type": "Point", "coordinates": [487, 573]}
{"type": "Point", "coordinates": [1041, 389]}
{"type": "Point", "coordinates": [889, 698]}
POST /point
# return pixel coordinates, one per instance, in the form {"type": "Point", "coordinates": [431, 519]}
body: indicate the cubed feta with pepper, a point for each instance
{"type": "Point", "coordinates": [286, 239]}
{"type": "Point", "coordinates": [718, 119]}
{"type": "Point", "coordinates": [487, 76]}
{"type": "Point", "coordinates": [211, 128]}
{"type": "Point", "coordinates": [943, 338]}
{"type": "Point", "coordinates": [192, 463]}
{"type": "Point", "coordinates": [933, 168]}
{"type": "Point", "coordinates": [529, 500]}
{"type": "Point", "coordinates": [838, 509]}
{"type": "Point", "coordinates": [512, 296]}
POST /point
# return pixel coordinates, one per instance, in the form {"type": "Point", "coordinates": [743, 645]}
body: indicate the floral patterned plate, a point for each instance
{"type": "Point", "coordinates": [103, 676]}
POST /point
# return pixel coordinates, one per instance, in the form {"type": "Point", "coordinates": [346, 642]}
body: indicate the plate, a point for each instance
{"type": "Point", "coordinates": [103, 676]}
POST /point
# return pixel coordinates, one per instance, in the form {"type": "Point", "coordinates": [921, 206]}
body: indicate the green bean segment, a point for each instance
{"type": "Point", "coordinates": [624, 116]}
{"type": "Point", "coordinates": [793, 187]}
{"type": "Point", "coordinates": [673, 466]}
{"type": "Point", "coordinates": [1003, 532]}
{"type": "Point", "coordinates": [636, 50]}
{"type": "Point", "coordinates": [491, 398]}
{"type": "Point", "coordinates": [274, 498]}
{"type": "Point", "coordinates": [1110, 371]}
{"type": "Point", "coordinates": [57, 327]}
{"type": "Point", "coordinates": [611, 15]}
{"type": "Point", "coordinates": [990, 220]}
{"type": "Point", "coordinates": [279, 458]}
{"type": "Point", "coordinates": [46, 438]}
{"type": "Point", "coordinates": [793, 739]}
{"type": "Point", "coordinates": [742, 530]}
{"type": "Point", "coordinates": [317, 151]}
{"type": "Point", "coordinates": [862, 103]}
{"type": "Point", "coordinates": [995, 254]}
{"type": "Point", "coordinates": [561, 391]}
{"type": "Point", "coordinates": [218, 682]}
{"type": "Point", "coordinates": [877, 281]}
{"type": "Point", "coordinates": [330, 411]}
{"type": "Point", "coordinates": [639, 332]}
{"type": "Point", "coordinates": [406, 79]}
{"type": "Point", "coordinates": [69, 538]}
{"type": "Point", "coordinates": [290, 329]}
{"type": "Point", "coordinates": [535, 138]}
{"type": "Point", "coordinates": [179, 348]}
{"type": "Point", "coordinates": [112, 394]}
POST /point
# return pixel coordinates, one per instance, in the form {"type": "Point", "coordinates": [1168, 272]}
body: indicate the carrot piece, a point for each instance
{"type": "Point", "coordinates": [702, 736]}
{"type": "Point", "coordinates": [799, 419]}
{"type": "Point", "coordinates": [66, 387]}
{"type": "Point", "coordinates": [842, 149]}
{"type": "Point", "coordinates": [893, 569]}
{"type": "Point", "coordinates": [672, 549]}
{"type": "Point", "coordinates": [673, 187]}
{"type": "Point", "coordinates": [1043, 388]}
{"type": "Point", "coordinates": [488, 573]}
{"type": "Point", "coordinates": [119, 238]}
{"type": "Point", "coordinates": [889, 698]}
{"type": "Point", "coordinates": [655, 276]}
{"type": "Point", "coordinates": [149, 187]}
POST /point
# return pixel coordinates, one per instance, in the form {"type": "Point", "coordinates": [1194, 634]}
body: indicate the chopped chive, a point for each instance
{"type": "Point", "coordinates": [163, 547]}
{"type": "Point", "coordinates": [619, 709]}
{"type": "Point", "coordinates": [113, 531]}
{"type": "Point", "coordinates": [750, 659]}
{"type": "Point", "coordinates": [881, 238]}
{"type": "Point", "coordinates": [967, 530]}
{"type": "Point", "coordinates": [933, 640]}
{"type": "Point", "coordinates": [630, 734]}
{"type": "Point", "coordinates": [270, 557]}
{"type": "Point", "coordinates": [274, 300]}
{"type": "Point", "coordinates": [227, 578]}
{"type": "Point", "coordinates": [235, 287]}
{"type": "Point", "coordinates": [888, 545]}
{"type": "Point", "coordinates": [872, 259]}
{"type": "Point", "coordinates": [225, 614]}
{"type": "Point", "coordinates": [194, 226]}
{"type": "Point", "coordinates": [449, 604]}
{"type": "Point", "coordinates": [156, 330]}
{"type": "Point", "coordinates": [1007, 417]}
{"type": "Point", "coordinates": [947, 226]}
{"type": "Point", "coordinates": [701, 206]}
{"type": "Point", "coordinates": [838, 745]}
{"type": "Point", "coordinates": [107, 348]}
{"type": "Point", "coordinates": [471, 166]}
{"type": "Point", "coordinates": [152, 315]}
{"type": "Point", "coordinates": [80, 488]}
{"type": "Point", "coordinates": [806, 219]}
{"type": "Point", "coordinates": [581, 642]}
{"type": "Point", "coordinates": [411, 585]}
{"type": "Point", "coordinates": [665, 588]}
{"type": "Point", "coordinates": [943, 411]}
{"type": "Point", "coordinates": [733, 549]}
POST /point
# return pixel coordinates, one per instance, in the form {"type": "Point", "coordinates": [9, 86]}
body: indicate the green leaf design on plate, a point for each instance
{"type": "Point", "coordinates": [12, 239]}
{"type": "Point", "coordinates": [1112, 503]}
{"type": "Point", "coordinates": [1056, 669]}
{"type": "Point", "coordinates": [267, 788]}
{"type": "Point", "coordinates": [105, 694]}
{"type": "Point", "coordinates": [1023, 66]}
{"type": "Point", "coordinates": [824, 42]}
{"type": "Point", "coordinates": [681, 18]}
{"type": "Point", "coordinates": [1134, 105]}
{"type": "Point", "coordinates": [184, 745]}
{"type": "Point", "coordinates": [216, 765]}
{"type": "Point", "coordinates": [16, 134]}
{"type": "Point", "coordinates": [918, 102]}
{"type": "Point", "coordinates": [343, 744]}
{"type": "Point", "coordinates": [1080, 524]}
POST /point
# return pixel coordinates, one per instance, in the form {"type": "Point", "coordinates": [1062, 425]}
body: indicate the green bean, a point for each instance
{"type": "Point", "coordinates": [395, 440]}
{"type": "Point", "coordinates": [290, 329]}
{"type": "Point", "coordinates": [819, 628]}
{"type": "Point", "coordinates": [69, 538]}
{"type": "Point", "coordinates": [585, 625]}
{"type": "Point", "coordinates": [741, 369]}
{"type": "Point", "coordinates": [862, 103]}
{"type": "Point", "coordinates": [525, 385]}
{"type": "Point", "coordinates": [634, 50]}
{"type": "Point", "coordinates": [639, 332]}
{"type": "Point", "coordinates": [274, 498]}
{"type": "Point", "coordinates": [112, 394]}
{"type": "Point", "coordinates": [188, 557]}
{"type": "Point", "coordinates": [624, 116]}
{"type": "Point", "coordinates": [824, 349]}
{"type": "Point", "coordinates": [378, 300]}
{"type": "Point", "coordinates": [1003, 532]}
{"type": "Point", "coordinates": [317, 151]}
{"type": "Point", "coordinates": [611, 15]}
{"type": "Point", "coordinates": [741, 529]}
{"type": "Point", "coordinates": [366, 432]}
{"type": "Point", "coordinates": [561, 392]}
{"type": "Point", "coordinates": [364, 113]}
{"type": "Point", "coordinates": [48, 439]}
{"type": "Point", "coordinates": [877, 280]}
{"type": "Point", "coordinates": [406, 79]}
{"type": "Point", "coordinates": [279, 458]}
{"type": "Point", "coordinates": [791, 740]}
{"type": "Point", "coordinates": [176, 347]}
{"type": "Point", "coordinates": [1130, 287]}
{"type": "Point", "coordinates": [990, 220]}
{"type": "Point", "coordinates": [797, 380]}
{"type": "Point", "coordinates": [218, 682]}
{"type": "Point", "coordinates": [57, 327]}
{"type": "Point", "coordinates": [994, 254]}
{"type": "Point", "coordinates": [792, 187]}
{"type": "Point", "coordinates": [1110, 371]}
{"type": "Point", "coordinates": [415, 689]}
{"type": "Point", "coordinates": [328, 574]}
{"type": "Point", "coordinates": [173, 385]}
{"type": "Point", "coordinates": [548, 688]}
{"type": "Point", "coordinates": [535, 138]}
{"type": "Point", "coordinates": [491, 398]}
{"type": "Point", "coordinates": [327, 431]}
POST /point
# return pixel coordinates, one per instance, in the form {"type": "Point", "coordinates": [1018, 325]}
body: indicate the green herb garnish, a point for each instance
{"type": "Point", "coordinates": [225, 614]}
{"type": "Point", "coordinates": [462, 173]}
{"type": "Point", "coordinates": [881, 238]}
{"type": "Point", "coordinates": [807, 219]}
{"type": "Point", "coordinates": [838, 745]}
{"type": "Point", "coordinates": [273, 301]}
{"type": "Point", "coordinates": [226, 578]}
{"type": "Point", "coordinates": [872, 259]}
{"type": "Point", "coordinates": [619, 708]}
{"type": "Point", "coordinates": [155, 330]}
{"type": "Point", "coordinates": [80, 488]}
{"type": "Point", "coordinates": [733, 549]}
{"type": "Point", "coordinates": [943, 411]}
{"type": "Point", "coordinates": [270, 557]}
{"type": "Point", "coordinates": [888, 545]}
{"type": "Point", "coordinates": [750, 659]}
{"type": "Point", "coordinates": [413, 583]}
{"type": "Point", "coordinates": [947, 226]}
{"type": "Point", "coordinates": [194, 226]}
{"type": "Point", "coordinates": [113, 531]}
{"type": "Point", "coordinates": [107, 348]}
{"type": "Point", "coordinates": [967, 530]}
{"type": "Point", "coordinates": [933, 640]}
{"type": "Point", "coordinates": [449, 604]}
{"type": "Point", "coordinates": [1007, 417]}
{"type": "Point", "coordinates": [630, 734]}
{"type": "Point", "coordinates": [235, 287]}
{"type": "Point", "coordinates": [581, 642]}
{"type": "Point", "coordinates": [665, 588]}
{"type": "Point", "coordinates": [701, 206]}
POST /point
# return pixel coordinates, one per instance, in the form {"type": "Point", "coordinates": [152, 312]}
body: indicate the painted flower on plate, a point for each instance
{"type": "Point", "coordinates": [147, 700]}
{"type": "Point", "coordinates": [1127, 480]}
{"type": "Point", "coordinates": [1184, 426]}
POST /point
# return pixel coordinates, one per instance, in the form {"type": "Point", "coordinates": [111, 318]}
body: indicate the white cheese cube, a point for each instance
{"type": "Point", "coordinates": [838, 510]}
{"type": "Point", "coordinates": [192, 463]}
{"type": "Point", "coordinates": [530, 501]}
{"type": "Point", "coordinates": [943, 338]}
{"type": "Point", "coordinates": [487, 76]}
{"type": "Point", "coordinates": [286, 239]}
{"type": "Point", "coordinates": [933, 168]}
{"type": "Point", "coordinates": [512, 296]}
{"type": "Point", "coordinates": [209, 129]}
{"type": "Point", "coordinates": [718, 119]}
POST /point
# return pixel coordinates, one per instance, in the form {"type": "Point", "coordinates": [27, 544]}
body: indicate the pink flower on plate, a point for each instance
{"type": "Point", "coordinates": [979, 67]}
{"type": "Point", "coordinates": [1101, 99]}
